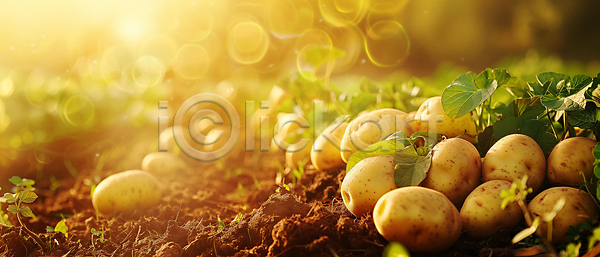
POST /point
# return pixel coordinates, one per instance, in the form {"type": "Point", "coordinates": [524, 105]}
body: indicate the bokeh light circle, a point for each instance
{"type": "Point", "coordinates": [7, 87]}
{"type": "Point", "coordinates": [78, 111]}
{"type": "Point", "coordinates": [386, 43]}
{"type": "Point", "coordinates": [148, 71]}
{"type": "Point", "coordinates": [192, 62]}
{"type": "Point", "coordinates": [288, 17]}
{"type": "Point", "coordinates": [115, 61]}
{"type": "Point", "coordinates": [341, 13]}
{"type": "Point", "coordinates": [247, 42]}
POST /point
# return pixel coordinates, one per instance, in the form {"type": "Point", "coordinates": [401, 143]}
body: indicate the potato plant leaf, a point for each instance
{"type": "Point", "coordinates": [10, 198]}
{"type": "Point", "coordinates": [16, 180]}
{"type": "Point", "coordinates": [596, 152]}
{"type": "Point", "coordinates": [27, 196]}
{"type": "Point", "coordinates": [411, 168]}
{"type": "Point", "coordinates": [563, 93]}
{"type": "Point", "coordinates": [385, 147]}
{"type": "Point", "coordinates": [26, 211]}
{"type": "Point", "coordinates": [12, 209]}
{"type": "Point", "coordinates": [470, 90]}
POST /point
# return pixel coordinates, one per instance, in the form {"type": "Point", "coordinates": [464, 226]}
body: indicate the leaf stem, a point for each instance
{"type": "Point", "coordinates": [551, 125]}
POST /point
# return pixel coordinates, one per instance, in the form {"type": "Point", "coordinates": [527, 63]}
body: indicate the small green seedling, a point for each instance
{"type": "Point", "coordinates": [99, 234]}
{"type": "Point", "coordinates": [60, 227]}
{"type": "Point", "coordinates": [518, 192]}
{"type": "Point", "coordinates": [24, 194]}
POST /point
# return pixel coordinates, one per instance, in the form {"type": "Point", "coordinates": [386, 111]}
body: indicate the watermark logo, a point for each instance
{"type": "Point", "coordinates": [229, 128]}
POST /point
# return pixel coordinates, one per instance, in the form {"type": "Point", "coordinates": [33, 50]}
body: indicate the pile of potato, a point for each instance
{"type": "Point", "coordinates": [461, 191]}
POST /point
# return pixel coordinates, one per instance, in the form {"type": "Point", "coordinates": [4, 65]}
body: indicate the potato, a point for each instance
{"type": "Point", "coordinates": [215, 144]}
{"type": "Point", "coordinates": [289, 131]}
{"type": "Point", "coordinates": [421, 219]}
{"type": "Point", "coordinates": [126, 192]}
{"type": "Point", "coordinates": [293, 156]}
{"type": "Point", "coordinates": [411, 123]}
{"type": "Point", "coordinates": [370, 128]}
{"type": "Point", "coordinates": [482, 215]}
{"type": "Point", "coordinates": [455, 169]}
{"type": "Point", "coordinates": [514, 156]}
{"type": "Point", "coordinates": [579, 207]}
{"type": "Point", "coordinates": [368, 180]}
{"type": "Point", "coordinates": [162, 163]}
{"type": "Point", "coordinates": [325, 154]}
{"type": "Point", "coordinates": [431, 117]}
{"type": "Point", "coordinates": [569, 158]}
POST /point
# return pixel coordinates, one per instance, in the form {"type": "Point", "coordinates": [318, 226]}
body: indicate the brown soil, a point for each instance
{"type": "Point", "coordinates": [235, 209]}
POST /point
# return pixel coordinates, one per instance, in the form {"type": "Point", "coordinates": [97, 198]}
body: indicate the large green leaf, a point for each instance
{"type": "Point", "coordinates": [470, 90]}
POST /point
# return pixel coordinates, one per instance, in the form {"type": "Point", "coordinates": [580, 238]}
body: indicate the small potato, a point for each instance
{"type": "Point", "coordinates": [162, 163]}
{"type": "Point", "coordinates": [368, 180]}
{"type": "Point", "coordinates": [421, 219]}
{"type": "Point", "coordinates": [431, 117]}
{"type": "Point", "coordinates": [293, 156]}
{"type": "Point", "coordinates": [325, 155]}
{"type": "Point", "coordinates": [514, 156]}
{"type": "Point", "coordinates": [370, 128]}
{"type": "Point", "coordinates": [216, 144]}
{"type": "Point", "coordinates": [455, 169]}
{"type": "Point", "coordinates": [289, 130]}
{"type": "Point", "coordinates": [569, 158]}
{"type": "Point", "coordinates": [126, 192]}
{"type": "Point", "coordinates": [579, 207]}
{"type": "Point", "coordinates": [482, 215]}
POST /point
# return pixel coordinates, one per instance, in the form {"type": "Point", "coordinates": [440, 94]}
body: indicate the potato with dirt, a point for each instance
{"type": "Point", "coordinates": [431, 117]}
{"type": "Point", "coordinates": [126, 192]}
{"type": "Point", "coordinates": [514, 156]}
{"type": "Point", "coordinates": [455, 169]}
{"type": "Point", "coordinates": [422, 219]}
{"type": "Point", "coordinates": [481, 213]}
{"type": "Point", "coordinates": [369, 128]}
{"type": "Point", "coordinates": [368, 180]}
{"type": "Point", "coordinates": [325, 153]}
{"type": "Point", "coordinates": [568, 159]}
{"type": "Point", "coordinates": [579, 207]}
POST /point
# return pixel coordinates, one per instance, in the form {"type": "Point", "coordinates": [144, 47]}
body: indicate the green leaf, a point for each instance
{"type": "Point", "coordinates": [16, 180]}
{"type": "Point", "coordinates": [26, 211]}
{"type": "Point", "coordinates": [485, 140]}
{"type": "Point", "coordinates": [318, 55]}
{"type": "Point", "coordinates": [10, 198]}
{"type": "Point", "coordinates": [470, 90]}
{"type": "Point", "coordinates": [27, 196]}
{"type": "Point", "coordinates": [596, 151]}
{"type": "Point", "coordinates": [28, 182]}
{"type": "Point", "coordinates": [563, 92]}
{"type": "Point", "coordinates": [61, 227]}
{"type": "Point", "coordinates": [411, 169]}
{"type": "Point", "coordinates": [585, 118]}
{"type": "Point", "coordinates": [12, 209]}
{"type": "Point", "coordinates": [463, 95]}
{"type": "Point", "coordinates": [386, 147]}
